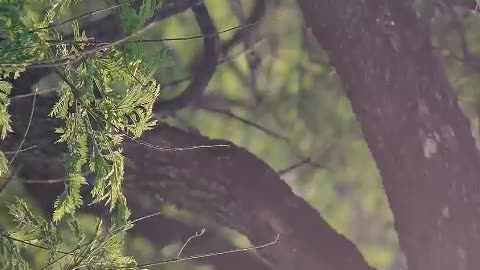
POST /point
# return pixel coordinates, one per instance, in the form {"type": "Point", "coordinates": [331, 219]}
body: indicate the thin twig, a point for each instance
{"type": "Point", "coordinates": [193, 37]}
{"type": "Point", "coordinates": [246, 121]}
{"type": "Point", "coordinates": [174, 149]}
{"type": "Point", "coordinates": [83, 15]}
{"type": "Point", "coordinates": [31, 94]}
{"type": "Point", "coordinates": [46, 181]}
{"type": "Point", "coordinates": [28, 128]}
{"type": "Point", "coordinates": [57, 62]}
{"type": "Point", "coordinates": [21, 150]}
{"type": "Point", "coordinates": [197, 234]}
{"type": "Point", "coordinates": [206, 255]}
{"type": "Point", "coordinates": [145, 217]}
{"type": "Point", "coordinates": [42, 181]}
{"type": "Point", "coordinates": [65, 253]}
{"type": "Point", "coordinates": [30, 244]}
{"type": "Point", "coordinates": [73, 59]}
{"type": "Point", "coordinates": [92, 41]}
{"type": "Point", "coordinates": [294, 166]}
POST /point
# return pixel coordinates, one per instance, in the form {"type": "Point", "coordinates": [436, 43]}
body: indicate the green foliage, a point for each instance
{"type": "Point", "coordinates": [106, 93]}
{"type": "Point", "coordinates": [131, 20]}
{"type": "Point", "coordinates": [5, 89]}
{"type": "Point", "coordinates": [57, 8]}
{"type": "Point", "coordinates": [101, 250]}
{"type": "Point", "coordinates": [112, 97]}
{"type": "Point", "coordinates": [10, 254]}
{"type": "Point", "coordinates": [3, 165]}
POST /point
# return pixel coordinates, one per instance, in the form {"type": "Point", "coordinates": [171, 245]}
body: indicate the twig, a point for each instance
{"type": "Point", "coordinates": [46, 181]}
{"type": "Point", "coordinates": [86, 14]}
{"type": "Point", "coordinates": [31, 94]}
{"type": "Point", "coordinates": [193, 37]}
{"type": "Point", "coordinates": [174, 149]}
{"type": "Point", "coordinates": [294, 166]}
{"type": "Point", "coordinates": [246, 121]}
{"type": "Point", "coordinates": [30, 244]}
{"type": "Point", "coordinates": [145, 217]}
{"type": "Point", "coordinates": [42, 181]}
{"type": "Point", "coordinates": [100, 43]}
{"type": "Point", "coordinates": [28, 128]}
{"type": "Point", "coordinates": [73, 59]}
{"type": "Point", "coordinates": [65, 253]}
{"type": "Point", "coordinates": [197, 234]}
{"type": "Point", "coordinates": [21, 150]}
{"type": "Point", "coordinates": [206, 255]}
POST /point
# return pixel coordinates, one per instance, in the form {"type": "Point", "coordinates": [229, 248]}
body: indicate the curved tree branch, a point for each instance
{"type": "Point", "coordinates": [203, 67]}
{"type": "Point", "coordinates": [241, 192]}
{"type": "Point", "coordinates": [229, 185]}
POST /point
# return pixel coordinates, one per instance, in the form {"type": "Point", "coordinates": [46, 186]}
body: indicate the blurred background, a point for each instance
{"type": "Point", "coordinates": [275, 94]}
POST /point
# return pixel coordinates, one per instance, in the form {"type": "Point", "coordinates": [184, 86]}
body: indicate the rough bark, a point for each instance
{"type": "Point", "coordinates": [414, 127]}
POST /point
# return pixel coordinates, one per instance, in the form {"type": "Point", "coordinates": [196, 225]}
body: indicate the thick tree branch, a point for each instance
{"type": "Point", "coordinates": [241, 192]}
{"type": "Point", "coordinates": [228, 185]}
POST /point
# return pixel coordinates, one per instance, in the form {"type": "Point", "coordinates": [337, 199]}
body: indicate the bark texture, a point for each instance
{"type": "Point", "coordinates": [416, 132]}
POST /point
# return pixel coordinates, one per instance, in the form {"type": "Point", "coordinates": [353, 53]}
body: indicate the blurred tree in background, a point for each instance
{"type": "Point", "coordinates": [324, 92]}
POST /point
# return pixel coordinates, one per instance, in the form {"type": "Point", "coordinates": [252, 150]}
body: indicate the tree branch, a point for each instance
{"type": "Point", "coordinates": [203, 67]}
{"type": "Point", "coordinates": [241, 192]}
{"type": "Point", "coordinates": [228, 185]}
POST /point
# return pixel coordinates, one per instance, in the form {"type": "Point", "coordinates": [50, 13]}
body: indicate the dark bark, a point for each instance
{"type": "Point", "coordinates": [416, 132]}
{"type": "Point", "coordinates": [241, 192]}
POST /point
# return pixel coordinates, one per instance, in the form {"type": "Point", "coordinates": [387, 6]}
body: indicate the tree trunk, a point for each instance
{"type": "Point", "coordinates": [415, 130]}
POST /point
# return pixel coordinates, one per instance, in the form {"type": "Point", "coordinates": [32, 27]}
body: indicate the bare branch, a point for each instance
{"type": "Point", "coordinates": [27, 129]}
{"type": "Point", "coordinates": [201, 256]}
{"type": "Point", "coordinates": [246, 122]}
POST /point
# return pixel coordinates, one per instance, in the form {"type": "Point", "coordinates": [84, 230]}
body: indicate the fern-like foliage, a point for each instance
{"type": "Point", "coordinates": [101, 250]}
{"type": "Point", "coordinates": [111, 96]}
{"type": "Point", "coordinates": [106, 93]}
{"type": "Point", "coordinates": [5, 88]}
{"type": "Point", "coordinates": [131, 20]}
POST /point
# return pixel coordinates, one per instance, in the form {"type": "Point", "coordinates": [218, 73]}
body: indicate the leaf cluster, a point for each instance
{"type": "Point", "coordinates": [106, 94]}
{"type": "Point", "coordinates": [101, 250]}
